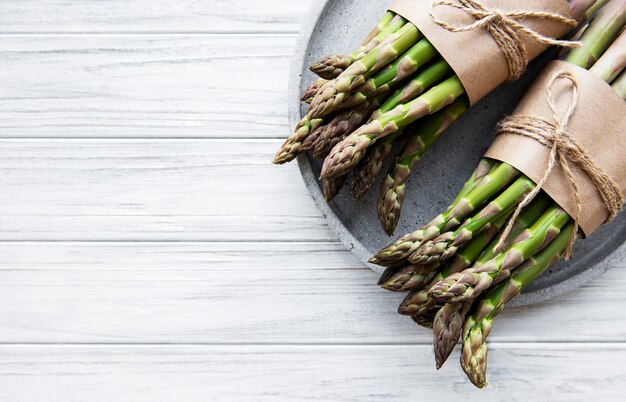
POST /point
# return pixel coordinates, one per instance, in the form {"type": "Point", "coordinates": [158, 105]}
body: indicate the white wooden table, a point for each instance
{"type": "Point", "coordinates": [150, 252]}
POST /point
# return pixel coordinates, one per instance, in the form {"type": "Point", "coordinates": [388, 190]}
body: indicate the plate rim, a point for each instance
{"type": "Point", "coordinates": [353, 244]}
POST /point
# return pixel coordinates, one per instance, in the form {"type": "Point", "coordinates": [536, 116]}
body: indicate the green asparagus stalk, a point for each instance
{"type": "Point", "coordinates": [447, 244]}
{"type": "Point", "coordinates": [447, 327]}
{"type": "Point", "coordinates": [348, 152]}
{"type": "Point", "coordinates": [334, 92]}
{"type": "Point", "coordinates": [418, 55]}
{"type": "Point", "coordinates": [343, 123]}
{"type": "Point", "coordinates": [293, 144]}
{"type": "Point", "coordinates": [331, 66]}
{"type": "Point", "coordinates": [365, 173]}
{"type": "Point", "coordinates": [478, 326]}
{"type": "Point", "coordinates": [393, 188]}
{"type": "Point", "coordinates": [425, 320]}
{"type": "Point", "coordinates": [424, 79]}
{"type": "Point", "coordinates": [613, 61]}
{"type": "Point", "coordinates": [619, 85]}
{"type": "Point", "coordinates": [478, 251]}
{"type": "Point", "coordinates": [331, 187]}
{"type": "Point", "coordinates": [590, 11]}
{"type": "Point", "coordinates": [481, 191]}
{"type": "Point", "coordinates": [470, 283]}
{"type": "Point", "coordinates": [474, 248]}
{"type": "Point", "coordinates": [600, 34]}
{"type": "Point", "coordinates": [382, 24]}
{"type": "Point", "coordinates": [309, 93]}
{"type": "Point", "coordinates": [409, 277]}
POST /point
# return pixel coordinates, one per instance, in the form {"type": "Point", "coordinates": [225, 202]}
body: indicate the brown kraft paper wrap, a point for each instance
{"type": "Point", "coordinates": [598, 124]}
{"type": "Point", "coordinates": [474, 55]}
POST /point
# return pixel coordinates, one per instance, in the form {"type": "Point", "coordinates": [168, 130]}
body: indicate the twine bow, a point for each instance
{"type": "Point", "coordinates": [505, 30]}
{"type": "Point", "coordinates": [567, 152]}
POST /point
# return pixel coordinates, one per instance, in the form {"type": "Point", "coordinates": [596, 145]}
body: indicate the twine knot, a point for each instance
{"type": "Point", "coordinates": [505, 30]}
{"type": "Point", "coordinates": [567, 152]}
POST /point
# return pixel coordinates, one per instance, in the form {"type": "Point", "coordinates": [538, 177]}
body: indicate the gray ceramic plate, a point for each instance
{"type": "Point", "coordinates": [337, 26]}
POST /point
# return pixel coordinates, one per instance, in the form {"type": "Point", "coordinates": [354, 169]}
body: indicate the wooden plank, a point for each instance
{"type": "Point", "coordinates": [517, 372]}
{"type": "Point", "coordinates": [169, 190]}
{"type": "Point", "coordinates": [262, 293]}
{"type": "Point", "coordinates": [152, 16]}
{"type": "Point", "coordinates": [175, 86]}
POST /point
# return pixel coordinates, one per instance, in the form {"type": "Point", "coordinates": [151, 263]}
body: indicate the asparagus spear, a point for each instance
{"type": "Point", "coordinates": [613, 61]}
{"type": "Point", "coordinates": [382, 24]}
{"type": "Point", "coordinates": [446, 245]}
{"type": "Point", "coordinates": [600, 34]}
{"type": "Point", "coordinates": [393, 187]}
{"type": "Point", "coordinates": [365, 173]}
{"type": "Point", "coordinates": [476, 252]}
{"type": "Point", "coordinates": [481, 189]}
{"type": "Point", "coordinates": [470, 283]}
{"type": "Point", "coordinates": [334, 92]}
{"type": "Point", "coordinates": [343, 124]}
{"type": "Point", "coordinates": [331, 66]}
{"type": "Point", "coordinates": [331, 187]}
{"type": "Point", "coordinates": [447, 327]}
{"type": "Point", "coordinates": [409, 277]}
{"type": "Point", "coordinates": [404, 66]}
{"type": "Point", "coordinates": [309, 93]}
{"type": "Point", "coordinates": [619, 85]}
{"type": "Point", "coordinates": [348, 152]}
{"type": "Point", "coordinates": [424, 79]}
{"type": "Point", "coordinates": [478, 326]}
{"type": "Point", "coordinates": [293, 144]}
{"type": "Point", "coordinates": [425, 320]}
{"type": "Point", "coordinates": [590, 11]}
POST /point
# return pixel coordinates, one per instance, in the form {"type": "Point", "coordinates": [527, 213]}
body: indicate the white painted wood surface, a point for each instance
{"type": "Point", "coordinates": [150, 252]}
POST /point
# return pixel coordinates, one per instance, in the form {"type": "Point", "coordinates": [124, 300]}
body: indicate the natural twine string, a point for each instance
{"type": "Point", "coordinates": [505, 29]}
{"type": "Point", "coordinates": [565, 150]}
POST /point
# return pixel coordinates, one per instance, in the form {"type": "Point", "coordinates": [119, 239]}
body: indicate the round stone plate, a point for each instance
{"type": "Point", "coordinates": [335, 26]}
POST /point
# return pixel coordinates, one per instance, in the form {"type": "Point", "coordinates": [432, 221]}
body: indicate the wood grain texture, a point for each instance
{"type": "Point", "coordinates": [175, 86]}
{"type": "Point", "coordinates": [260, 293]}
{"type": "Point", "coordinates": [96, 16]}
{"type": "Point", "coordinates": [169, 190]}
{"type": "Point", "coordinates": [517, 372]}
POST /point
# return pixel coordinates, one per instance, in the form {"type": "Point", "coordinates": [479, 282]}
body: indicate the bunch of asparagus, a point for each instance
{"type": "Point", "coordinates": [459, 270]}
{"type": "Point", "coordinates": [366, 101]}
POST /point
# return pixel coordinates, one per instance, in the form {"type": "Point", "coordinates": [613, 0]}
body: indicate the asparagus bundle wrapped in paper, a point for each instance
{"type": "Point", "coordinates": [476, 276]}
{"type": "Point", "coordinates": [497, 181]}
{"type": "Point", "coordinates": [394, 57]}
